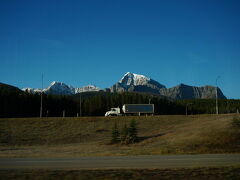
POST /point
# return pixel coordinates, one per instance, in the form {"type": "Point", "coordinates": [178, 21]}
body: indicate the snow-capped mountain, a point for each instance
{"type": "Point", "coordinates": [136, 82]}
{"type": "Point", "coordinates": [59, 88]}
{"type": "Point", "coordinates": [134, 79]}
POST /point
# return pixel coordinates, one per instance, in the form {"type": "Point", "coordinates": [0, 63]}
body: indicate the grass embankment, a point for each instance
{"type": "Point", "coordinates": [90, 136]}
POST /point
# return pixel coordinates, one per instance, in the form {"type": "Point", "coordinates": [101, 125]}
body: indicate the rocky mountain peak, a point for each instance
{"type": "Point", "coordinates": [134, 79]}
{"type": "Point", "coordinates": [137, 83]}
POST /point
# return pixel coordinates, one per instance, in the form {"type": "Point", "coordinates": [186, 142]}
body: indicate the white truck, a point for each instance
{"type": "Point", "coordinates": [113, 112]}
{"type": "Point", "coordinates": [132, 109]}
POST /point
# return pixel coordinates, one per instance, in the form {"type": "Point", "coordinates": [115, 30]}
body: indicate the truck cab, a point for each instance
{"type": "Point", "coordinates": [113, 112]}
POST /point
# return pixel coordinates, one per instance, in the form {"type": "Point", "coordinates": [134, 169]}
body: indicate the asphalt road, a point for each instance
{"type": "Point", "coordinates": [122, 162]}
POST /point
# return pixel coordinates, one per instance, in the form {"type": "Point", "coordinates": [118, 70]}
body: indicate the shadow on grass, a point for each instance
{"type": "Point", "coordinates": [143, 138]}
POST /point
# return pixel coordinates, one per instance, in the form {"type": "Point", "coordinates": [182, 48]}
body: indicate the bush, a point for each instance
{"type": "Point", "coordinates": [236, 121]}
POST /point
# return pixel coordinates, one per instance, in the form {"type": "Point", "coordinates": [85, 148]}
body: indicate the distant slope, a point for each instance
{"type": "Point", "coordinates": [5, 88]}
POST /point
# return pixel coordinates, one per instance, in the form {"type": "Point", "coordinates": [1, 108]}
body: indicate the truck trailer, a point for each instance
{"type": "Point", "coordinates": [132, 109]}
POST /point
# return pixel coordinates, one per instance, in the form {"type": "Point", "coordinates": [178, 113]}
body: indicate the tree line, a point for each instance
{"type": "Point", "coordinates": [208, 106]}
{"type": "Point", "coordinates": [23, 104]}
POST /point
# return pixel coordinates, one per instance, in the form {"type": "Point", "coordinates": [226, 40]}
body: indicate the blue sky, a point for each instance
{"type": "Point", "coordinates": [98, 41]}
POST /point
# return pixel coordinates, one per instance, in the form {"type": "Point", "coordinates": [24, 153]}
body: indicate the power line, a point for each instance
{"type": "Point", "coordinates": [217, 95]}
{"type": "Point", "coordinates": [80, 103]}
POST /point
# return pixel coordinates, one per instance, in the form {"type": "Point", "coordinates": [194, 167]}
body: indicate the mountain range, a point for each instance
{"type": "Point", "coordinates": [132, 82]}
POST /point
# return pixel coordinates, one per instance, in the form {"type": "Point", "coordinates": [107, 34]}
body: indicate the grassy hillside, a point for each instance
{"type": "Point", "coordinates": [90, 136]}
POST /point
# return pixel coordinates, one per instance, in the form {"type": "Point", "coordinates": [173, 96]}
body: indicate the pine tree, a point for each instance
{"type": "Point", "coordinates": [115, 134]}
{"type": "Point", "coordinates": [132, 131]}
{"type": "Point", "coordinates": [125, 134]}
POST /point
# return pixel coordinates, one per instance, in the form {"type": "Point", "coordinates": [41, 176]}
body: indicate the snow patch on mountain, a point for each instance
{"type": "Point", "coordinates": [88, 88]}
{"type": "Point", "coordinates": [32, 90]}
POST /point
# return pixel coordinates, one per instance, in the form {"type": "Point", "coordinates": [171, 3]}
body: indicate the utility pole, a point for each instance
{"type": "Point", "coordinates": [63, 113]}
{"type": "Point", "coordinates": [187, 108]}
{"type": "Point", "coordinates": [217, 95]}
{"type": "Point", "coordinates": [41, 104]}
{"type": "Point", "coordinates": [80, 104]}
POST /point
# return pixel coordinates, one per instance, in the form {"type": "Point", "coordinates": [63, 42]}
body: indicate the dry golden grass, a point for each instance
{"type": "Point", "coordinates": [90, 136]}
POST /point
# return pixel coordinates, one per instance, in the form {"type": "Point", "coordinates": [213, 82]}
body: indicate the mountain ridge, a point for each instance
{"type": "Point", "coordinates": [183, 91]}
{"type": "Point", "coordinates": [132, 82]}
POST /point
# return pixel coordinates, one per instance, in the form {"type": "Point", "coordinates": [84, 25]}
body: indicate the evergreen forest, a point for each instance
{"type": "Point", "coordinates": [16, 103]}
